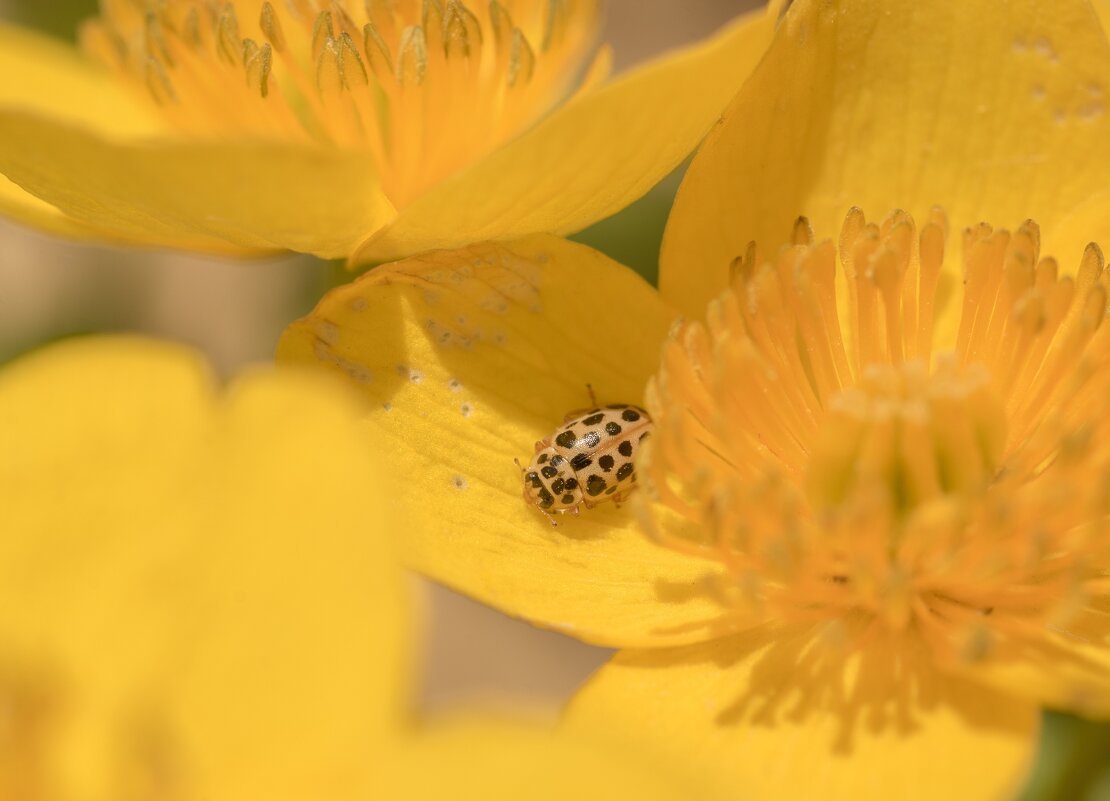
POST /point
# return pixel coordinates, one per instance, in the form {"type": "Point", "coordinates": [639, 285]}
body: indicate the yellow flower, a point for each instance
{"type": "Point", "coordinates": [343, 128]}
{"type": "Point", "coordinates": [876, 495]}
{"type": "Point", "coordinates": [200, 603]}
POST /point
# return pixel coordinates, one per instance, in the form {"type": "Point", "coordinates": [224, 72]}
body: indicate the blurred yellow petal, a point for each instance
{"type": "Point", "coordinates": [992, 110]}
{"type": "Point", "coordinates": [1060, 672]}
{"type": "Point", "coordinates": [478, 759]}
{"type": "Point", "coordinates": [468, 358]}
{"type": "Point", "coordinates": [48, 77]}
{"type": "Point", "coordinates": [1102, 8]}
{"type": "Point", "coordinates": [55, 80]}
{"type": "Point", "coordinates": [25, 208]}
{"type": "Point", "coordinates": [193, 604]}
{"type": "Point", "coordinates": [774, 714]}
{"type": "Point", "coordinates": [590, 158]}
{"type": "Point", "coordinates": [251, 195]}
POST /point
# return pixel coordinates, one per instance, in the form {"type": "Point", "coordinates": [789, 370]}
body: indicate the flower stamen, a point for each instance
{"type": "Point", "coordinates": [427, 86]}
{"type": "Point", "coordinates": [858, 443]}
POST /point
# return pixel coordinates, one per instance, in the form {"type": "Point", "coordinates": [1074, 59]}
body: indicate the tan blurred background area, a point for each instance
{"type": "Point", "coordinates": [234, 312]}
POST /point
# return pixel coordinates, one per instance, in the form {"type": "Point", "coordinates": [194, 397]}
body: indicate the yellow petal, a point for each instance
{"type": "Point", "coordinates": [590, 158]}
{"type": "Point", "coordinates": [197, 195]}
{"type": "Point", "coordinates": [993, 111]}
{"type": "Point", "coordinates": [194, 601]}
{"type": "Point", "coordinates": [772, 715]}
{"type": "Point", "coordinates": [1102, 8]}
{"type": "Point", "coordinates": [27, 209]}
{"type": "Point", "coordinates": [1062, 672]}
{"type": "Point", "coordinates": [468, 358]}
{"type": "Point", "coordinates": [40, 74]}
{"type": "Point", "coordinates": [488, 760]}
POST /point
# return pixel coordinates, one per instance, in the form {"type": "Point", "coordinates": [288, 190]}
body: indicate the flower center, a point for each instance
{"type": "Point", "coordinates": [426, 87]}
{"type": "Point", "coordinates": [860, 443]}
{"type": "Point", "coordinates": [909, 434]}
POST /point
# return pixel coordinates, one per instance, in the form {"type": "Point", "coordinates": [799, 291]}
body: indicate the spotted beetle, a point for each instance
{"type": "Point", "coordinates": [588, 461]}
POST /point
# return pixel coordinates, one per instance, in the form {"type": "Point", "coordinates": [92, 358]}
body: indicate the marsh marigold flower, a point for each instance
{"type": "Point", "coordinates": [874, 506]}
{"type": "Point", "coordinates": [346, 128]}
{"type": "Point", "coordinates": [198, 604]}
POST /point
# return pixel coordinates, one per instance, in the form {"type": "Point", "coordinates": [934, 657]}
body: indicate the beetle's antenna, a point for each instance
{"type": "Point", "coordinates": [518, 464]}
{"type": "Point", "coordinates": [593, 397]}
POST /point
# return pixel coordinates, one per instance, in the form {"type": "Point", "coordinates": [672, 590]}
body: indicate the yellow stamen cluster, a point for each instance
{"type": "Point", "coordinates": [427, 86]}
{"type": "Point", "coordinates": [861, 444]}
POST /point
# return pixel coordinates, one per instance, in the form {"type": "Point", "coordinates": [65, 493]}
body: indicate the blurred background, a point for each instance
{"type": "Point", "coordinates": [234, 312]}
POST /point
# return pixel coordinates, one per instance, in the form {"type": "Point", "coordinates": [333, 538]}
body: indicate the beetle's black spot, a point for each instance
{"type": "Point", "coordinates": [631, 415]}
{"type": "Point", "coordinates": [591, 440]}
{"type": "Point", "coordinates": [566, 439]}
{"type": "Point", "coordinates": [558, 485]}
{"type": "Point", "coordinates": [612, 429]}
{"type": "Point", "coordinates": [605, 462]}
{"type": "Point", "coordinates": [610, 491]}
{"type": "Point", "coordinates": [546, 499]}
{"type": "Point", "coordinates": [534, 480]}
{"type": "Point", "coordinates": [595, 485]}
{"type": "Point", "coordinates": [593, 419]}
{"type": "Point", "coordinates": [572, 484]}
{"type": "Point", "coordinates": [549, 471]}
{"type": "Point", "coordinates": [625, 449]}
{"type": "Point", "coordinates": [568, 499]}
{"type": "Point", "coordinates": [557, 460]}
{"type": "Point", "coordinates": [625, 471]}
{"type": "Point", "coordinates": [617, 406]}
{"type": "Point", "coordinates": [542, 458]}
{"type": "Point", "coordinates": [581, 461]}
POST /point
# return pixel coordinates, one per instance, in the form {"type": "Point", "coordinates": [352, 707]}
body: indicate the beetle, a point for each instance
{"type": "Point", "coordinates": [587, 461]}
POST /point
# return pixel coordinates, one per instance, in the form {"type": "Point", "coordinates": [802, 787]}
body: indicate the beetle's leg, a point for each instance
{"type": "Point", "coordinates": [592, 408]}
{"type": "Point", "coordinates": [550, 519]}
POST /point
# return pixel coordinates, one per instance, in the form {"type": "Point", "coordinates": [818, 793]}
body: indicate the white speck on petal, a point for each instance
{"type": "Point", "coordinates": [327, 331]}
{"type": "Point", "coordinates": [1091, 111]}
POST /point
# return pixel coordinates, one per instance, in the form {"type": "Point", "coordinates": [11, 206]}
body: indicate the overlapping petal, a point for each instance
{"type": "Point", "coordinates": [589, 158]}
{"type": "Point", "coordinates": [191, 600]}
{"type": "Point", "coordinates": [210, 196]}
{"type": "Point", "coordinates": [782, 714]}
{"type": "Point", "coordinates": [993, 110]}
{"type": "Point", "coordinates": [468, 358]}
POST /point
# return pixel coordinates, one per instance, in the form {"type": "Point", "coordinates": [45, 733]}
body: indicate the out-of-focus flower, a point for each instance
{"type": "Point", "coordinates": [880, 470]}
{"type": "Point", "coordinates": [343, 128]}
{"type": "Point", "coordinates": [200, 602]}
